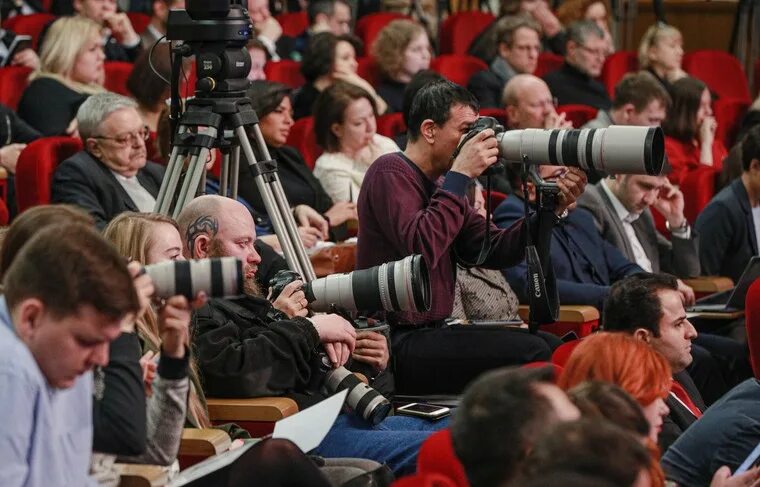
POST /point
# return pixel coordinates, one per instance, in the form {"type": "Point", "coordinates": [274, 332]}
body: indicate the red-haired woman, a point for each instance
{"type": "Point", "coordinates": [636, 368]}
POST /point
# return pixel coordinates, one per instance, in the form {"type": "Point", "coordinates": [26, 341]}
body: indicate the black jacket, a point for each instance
{"type": "Point", "coordinates": [679, 417]}
{"type": "Point", "coordinates": [49, 106]}
{"type": "Point", "coordinates": [727, 233]}
{"type": "Point", "coordinates": [570, 86]}
{"type": "Point", "coordinates": [86, 182]}
{"type": "Point", "coordinates": [14, 130]}
{"type": "Point", "coordinates": [113, 50]}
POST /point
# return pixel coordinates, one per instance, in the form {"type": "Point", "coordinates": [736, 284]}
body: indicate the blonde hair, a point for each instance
{"type": "Point", "coordinates": [388, 49]}
{"type": "Point", "coordinates": [653, 36]}
{"type": "Point", "coordinates": [131, 234]}
{"type": "Point", "coordinates": [64, 40]}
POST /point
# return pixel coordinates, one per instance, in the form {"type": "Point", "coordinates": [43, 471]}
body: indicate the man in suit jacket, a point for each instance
{"type": "Point", "coordinates": [620, 207]}
{"type": "Point", "coordinates": [519, 46]}
{"type": "Point", "coordinates": [112, 174]}
{"type": "Point", "coordinates": [639, 100]}
{"type": "Point", "coordinates": [730, 223]}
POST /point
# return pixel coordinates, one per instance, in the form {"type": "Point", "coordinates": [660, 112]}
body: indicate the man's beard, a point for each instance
{"type": "Point", "coordinates": [251, 286]}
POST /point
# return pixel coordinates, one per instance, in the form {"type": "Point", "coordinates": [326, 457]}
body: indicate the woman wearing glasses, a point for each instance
{"type": "Point", "coordinates": [112, 174]}
{"type": "Point", "coordinates": [71, 69]}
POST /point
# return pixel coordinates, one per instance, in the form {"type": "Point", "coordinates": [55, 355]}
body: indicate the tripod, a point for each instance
{"type": "Point", "coordinates": [220, 120]}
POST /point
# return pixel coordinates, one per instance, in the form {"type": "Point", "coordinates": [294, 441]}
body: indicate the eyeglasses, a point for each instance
{"type": "Point", "coordinates": [128, 139]}
{"type": "Point", "coordinates": [594, 52]}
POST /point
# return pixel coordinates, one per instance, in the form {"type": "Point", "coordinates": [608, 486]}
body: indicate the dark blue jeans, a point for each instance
{"type": "Point", "coordinates": [394, 442]}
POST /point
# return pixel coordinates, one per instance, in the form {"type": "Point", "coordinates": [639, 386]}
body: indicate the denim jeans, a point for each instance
{"type": "Point", "coordinates": [394, 442]}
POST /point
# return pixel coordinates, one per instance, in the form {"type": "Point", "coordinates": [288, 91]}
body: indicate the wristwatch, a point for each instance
{"type": "Point", "coordinates": [678, 230]}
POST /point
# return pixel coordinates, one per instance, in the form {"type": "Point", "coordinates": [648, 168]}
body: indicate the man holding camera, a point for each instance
{"type": "Point", "coordinates": [247, 348]}
{"type": "Point", "coordinates": [404, 209]}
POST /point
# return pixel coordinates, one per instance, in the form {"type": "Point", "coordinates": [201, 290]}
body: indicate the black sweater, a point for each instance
{"type": "Point", "coordinates": [49, 106]}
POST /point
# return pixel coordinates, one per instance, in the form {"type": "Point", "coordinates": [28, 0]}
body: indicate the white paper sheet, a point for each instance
{"type": "Point", "coordinates": [309, 427]}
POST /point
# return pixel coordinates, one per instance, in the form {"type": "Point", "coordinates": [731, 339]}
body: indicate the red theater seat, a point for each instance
{"type": "Point", "coordinates": [293, 24]}
{"type": "Point", "coordinates": [578, 114]}
{"type": "Point", "coordinates": [729, 113]}
{"type": "Point", "coordinates": [30, 25]}
{"type": "Point", "coordinates": [369, 26]}
{"type": "Point", "coordinates": [36, 165]}
{"type": "Point", "coordinates": [285, 71]}
{"type": "Point", "coordinates": [563, 352]}
{"type": "Point", "coordinates": [302, 138]}
{"type": "Point", "coordinates": [13, 81]}
{"type": "Point", "coordinates": [369, 71]}
{"type": "Point", "coordinates": [437, 456]}
{"type": "Point", "coordinates": [498, 113]}
{"type": "Point", "coordinates": [698, 187]}
{"type": "Point", "coordinates": [459, 30]}
{"type": "Point", "coordinates": [720, 71]}
{"type": "Point", "coordinates": [117, 73]}
{"type": "Point", "coordinates": [140, 21]}
{"type": "Point", "coordinates": [391, 125]}
{"type": "Point", "coordinates": [616, 66]}
{"type": "Point", "coordinates": [548, 62]}
{"type": "Point", "coordinates": [458, 68]}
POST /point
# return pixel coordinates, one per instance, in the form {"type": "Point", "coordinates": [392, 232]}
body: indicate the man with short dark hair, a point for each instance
{"type": "Point", "coordinates": [575, 82]}
{"type": "Point", "coordinates": [519, 46]}
{"type": "Point", "coordinates": [501, 415]}
{"type": "Point", "coordinates": [53, 332]}
{"type": "Point", "coordinates": [332, 16]}
{"type": "Point", "coordinates": [405, 209]}
{"type": "Point", "coordinates": [160, 15]}
{"type": "Point", "coordinates": [639, 100]}
{"type": "Point", "coordinates": [729, 225]}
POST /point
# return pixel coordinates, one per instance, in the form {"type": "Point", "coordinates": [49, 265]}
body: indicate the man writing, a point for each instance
{"type": "Point", "coordinates": [403, 210]}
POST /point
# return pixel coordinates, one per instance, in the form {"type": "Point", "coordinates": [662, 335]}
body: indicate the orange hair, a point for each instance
{"type": "Point", "coordinates": [629, 363]}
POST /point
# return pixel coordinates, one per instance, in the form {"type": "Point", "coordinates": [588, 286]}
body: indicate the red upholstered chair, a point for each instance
{"type": "Point", "coordinates": [578, 114]}
{"type": "Point", "coordinates": [729, 113]}
{"type": "Point", "coordinates": [117, 73]}
{"type": "Point", "coordinates": [698, 187]}
{"type": "Point", "coordinates": [368, 27]}
{"type": "Point", "coordinates": [13, 81]}
{"type": "Point", "coordinates": [459, 30]}
{"type": "Point", "coordinates": [562, 353]}
{"type": "Point", "coordinates": [757, 76]}
{"type": "Point", "coordinates": [548, 62]}
{"type": "Point", "coordinates": [293, 24]}
{"type": "Point", "coordinates": [30, 25]}
{"type": "Point", "coordinates": [391, 125]}
{"type": "Point", "coordinates": [369, 70]}
{"type": "Point", "coordinates": [616, 66]}
{"type": "Point", "coordinates": [424, 480]}
{"type": "Point", "coordinates": [752, 320]}
{"type": "Point", "coordinates": [496, 198]}
{"type": "Point", "coordinates": [36, 165]}
{"type": "Point", "coordinates": [437, 456]}
{"type": "Point", "coordinates": [302, 138]}
{"type": "Point", "coordinates": [498, 113]}
{"type": "Point", "coordinates": [4, 215]}
{"type": "Point", "coordinates": [139, 21]}
{"type": "Point", "coordinates": [458, 68]}
{"type": "Point", "coordinates": [721, 71]}
{"type": "Point", "coordinates": [285, 71]}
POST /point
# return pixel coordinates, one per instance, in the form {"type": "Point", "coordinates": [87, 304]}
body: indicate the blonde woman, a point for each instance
{"type": "Point", "coordinates": [71, 69]}
{"type": "Point", "coordinates": [402, 49]}
{"type": "Point", "coordinates": [661, 53]}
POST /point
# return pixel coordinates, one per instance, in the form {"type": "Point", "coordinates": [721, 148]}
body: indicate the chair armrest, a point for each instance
{"type": "Point", "coordinates": [568, 313]}
{"type": "Point", "coordinates": [136, 475]}
{"type": "Point", "coordinates": [203, 442]}
{"type": "Point", "coordinates": [709, 284]}
{"type": "Point", "coordinates": [256, 409]}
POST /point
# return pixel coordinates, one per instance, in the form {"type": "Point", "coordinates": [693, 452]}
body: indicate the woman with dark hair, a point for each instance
{"type": "Point", "coordinates": [345, 126]}
{"type": "Point", "coordinates": [329, 58]}
{"type": "Point", "coordinates": [401, 50]}
{"type": "Point", "coordinates": [690, 130]}
{"type": "Point", "coordinates": [272, 102]}
{"type": "Point", "coordinates": [147, 88]}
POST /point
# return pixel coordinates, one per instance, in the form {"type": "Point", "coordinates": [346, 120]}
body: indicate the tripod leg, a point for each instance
{"type": "Point", "coordinates": [234, 171]}
{"type": "Point", "coordinates": [225, 175]}
{"type": "Point", "coordinates": [192, 179]}
{"type": "Point", "coordinates": [169, 184]}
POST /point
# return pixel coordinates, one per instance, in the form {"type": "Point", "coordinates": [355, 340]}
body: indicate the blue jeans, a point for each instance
{"type": "Point", "coordinates": [394, 442]}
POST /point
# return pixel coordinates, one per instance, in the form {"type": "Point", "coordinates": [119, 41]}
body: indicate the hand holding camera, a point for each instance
{"type": "Point", "coordinates": [174, 324]}
{"type": "Point", "coordinates": [372, 348]}
{"type": "Point", "coordinates": [144, 288]}
{"type": "Point", "coordinates": [292, 300]}
{"type": "Point", "coordinates": [571, 186]}
{"type": "Point", "coordinates": [477, 154]}
{"type": "Point", "coordinates": [333, 329]}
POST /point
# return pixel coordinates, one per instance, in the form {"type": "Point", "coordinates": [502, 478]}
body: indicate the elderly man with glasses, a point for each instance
{"type": "Point", "coordinates": [111, 175]}
{"type": "Point", "coordinates": [575, 82]}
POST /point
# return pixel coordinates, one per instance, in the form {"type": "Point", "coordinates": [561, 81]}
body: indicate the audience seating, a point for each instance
{"type": "Point", "coordinates": [35, 168]}
{"type": "Point", "coordinates": [548, 62]}
{"type": "Point", "coordinates": [437, 456]}
{"type": "Point", "coordinates": [721, 71]}
{"type": "Point", "coordinates": [458, 68]}
{"type": "Point", "coordinates": [391, 124]}
{"type": "Point", "coordinates": [31, 25]}
{"type": "Point", "coordinates": [255, 415]}
{"type": "Point", "coordinates": [562, 353]}
{"type": "Point", "coordinates": [581, 319]}
{"type": "Point", "coordinates": [577, 114]}
{"type": "Point", "coordinates": [752, 320]}
{"type": "Point", "coordinates": [369, 71]}
{"type": "Point", "coordinates": [4, 215]}
{"type": "Point", "coordinates": [459, 30]}
{"type": "Point", "coordinates": [293, 24]}
{"type": "Point", "coordinates": [698, 187]}
{"type": "Point", "coordinates": [13, 81]}
{"type": "Point", "coordinates": [285, 71]}
{"type": "Point", "coordinates": [496, 198]}
{"type": "Point", "coordinates": [198, 444]}
{"type": "Point", "coordinates": [704, 285]}
{"type": "Point", "coordinates": [117, 73]}
{"type": "Point", "coordinates": [729, 113]}
{"type": "Point", "coordinates": [139, 21]}
{"type": "Point", "coordinates": [368, 27]}
{"type": "Point", "coordinates": [498, 113]}
{"type": "Point", "coordinates": [616, 66]}
{"type": "Point", "coordinates": [303, 139]}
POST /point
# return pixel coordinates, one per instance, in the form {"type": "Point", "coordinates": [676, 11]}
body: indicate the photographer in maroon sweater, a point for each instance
{"type": "Point", "coordinates": [414, 203]}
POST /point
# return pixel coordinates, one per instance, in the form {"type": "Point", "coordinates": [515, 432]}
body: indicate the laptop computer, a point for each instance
{"type": "Point", "coordinates": [733, 299]}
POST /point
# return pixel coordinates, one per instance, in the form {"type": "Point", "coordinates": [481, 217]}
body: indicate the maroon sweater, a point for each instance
{"type": "Point", "coordinates": [403, 212]}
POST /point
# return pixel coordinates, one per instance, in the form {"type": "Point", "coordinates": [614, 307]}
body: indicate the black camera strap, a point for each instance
{"type": "Point", "coordinates": [543, 295]}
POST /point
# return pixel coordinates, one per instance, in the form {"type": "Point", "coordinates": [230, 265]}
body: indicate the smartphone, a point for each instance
{"type": "Point", "coordinates": [750, 461]}
{"type": "Point", "coordinates": [422, 410]}
{"type": "Point", "coordinates": [18, 44]}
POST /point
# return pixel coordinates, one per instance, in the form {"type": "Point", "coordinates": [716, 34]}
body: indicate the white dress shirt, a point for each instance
{"type": "Point", "coordinates": [144, 201]}
{"type": "Point", "coordinates": [627, 218]}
